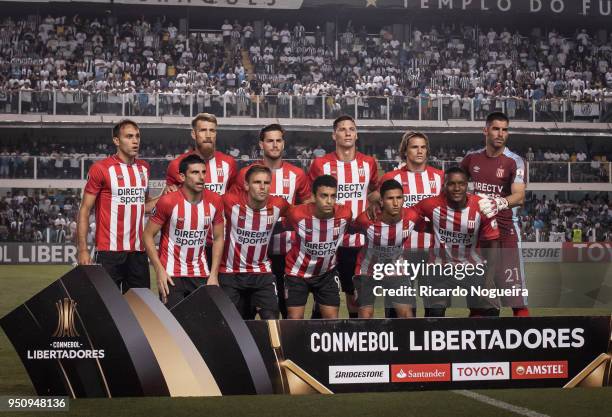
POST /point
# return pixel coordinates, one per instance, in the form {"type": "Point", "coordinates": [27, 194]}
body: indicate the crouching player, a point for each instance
{"type": "Point", "coordinates": [245, 272]}
{"type": "Point", "coordinates": [311, 263]}
{"type": "Point", "coordinates": [186, 218]}
{"type": "Point", "coordinates": [386, 238]}
{"type": "Point", "coordinates": [459, 230]}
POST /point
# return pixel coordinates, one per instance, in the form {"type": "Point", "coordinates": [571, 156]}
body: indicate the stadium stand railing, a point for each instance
{"type": "Point", "coordinates": [391, 107]}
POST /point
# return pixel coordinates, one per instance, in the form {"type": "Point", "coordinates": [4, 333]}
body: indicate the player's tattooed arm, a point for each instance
{"type": "Point", "coordinates": [87, 204]}
{"type": "Point", "coordinates": [517, 198]}
{"type": "Point", "coordinates": [163, 279]}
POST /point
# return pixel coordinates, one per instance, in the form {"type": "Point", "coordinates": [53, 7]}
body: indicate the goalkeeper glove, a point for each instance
{"type": "Point", "coordinates": [490, 206]}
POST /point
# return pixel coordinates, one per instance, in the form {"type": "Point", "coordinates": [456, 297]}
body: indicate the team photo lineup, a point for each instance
{"type": "Point", "coordinates": [306, 207]}
{"type": "Point", "coordinates": [270, 234]}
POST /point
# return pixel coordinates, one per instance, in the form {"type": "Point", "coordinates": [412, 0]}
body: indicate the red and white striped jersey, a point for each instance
{"type": "Point", "coordinates": [317, 240]}
{"type": "Point", "coordinates": [288, 182]}
{"type": "Point", "coordinates": [457, 233]}
{"type": "Point", "coordinates": [248, 232]}
{"type": "Point", "coordinates": [220, 172]}
{"type": "Point", "coordinates": [121, 191]}
{"type": "Point", "coordinates": [384, 243]}
{"type": "Point", "coordinates": [355, 180]}
{"type": "Point", "coordinates": [185, 227]}
{"type": "Point", "coordinates": [417, 186]}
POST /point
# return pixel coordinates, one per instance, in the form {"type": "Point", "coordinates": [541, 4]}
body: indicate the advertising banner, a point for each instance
{"type": "Point", "coordinates": [395, 355]}
{"type": "Point", "coordinates": [80, 337]}
{"type": "Point", "coordinates": [61, 253]}
{"type": "Point", "coordinates": [586, 109]}
{"type": "Point", "coordinates": [536, 8]}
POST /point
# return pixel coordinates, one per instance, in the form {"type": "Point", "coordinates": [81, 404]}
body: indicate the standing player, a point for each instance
{"type": "Point", "coordinates": [118, 189]}
{"type": "Point", "coordinates": [387, 236]}
{"type": "Point", "coordinates": [459, 232]}
{"type": "Point", "coordinates": [186, 217]}
{"type": "Point", "coordinates": [245, 271]}
{"type": "Point", "coordinates": [500, 174]}
{"type": "Point", "coordinates": [220, 168]}
{"type": "Point", "coordinates": [419, 181]}
{"type": "Point", "coordinates": [288, 182]}
{"type": "Point", "coordinates": [311, 262]}
{"type": "Point", "coordinates": [357, 176]}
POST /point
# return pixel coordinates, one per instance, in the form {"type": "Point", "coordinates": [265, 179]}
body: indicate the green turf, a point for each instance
{"type": "Point", "coordinates": [21, 282]}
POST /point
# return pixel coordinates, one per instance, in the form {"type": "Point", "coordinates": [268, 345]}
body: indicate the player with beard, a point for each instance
{"type": "Point", "coordinates": [185, 217]}
{"type": "Point", "coordinates": [288, 182]}
{"type": "Point", "coordinates": [462, 235]}
{"type": "Point", "coordinates": [221, 169]}
{"type": "Point", "coordinates": [245, 272]}
{"type": "Point", "coordinates": [357, 176]}
{"type": "Point", "coordinates": [499, 174]}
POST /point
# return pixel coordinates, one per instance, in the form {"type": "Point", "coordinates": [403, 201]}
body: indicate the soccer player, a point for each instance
{"type": "Point", "coordinates": [357, 176]}
{"type": "Point", "coordinates": [220, 168]}
{"type": "Point", "coordinates": [311, 263]}
{"type": "Point", "coordinates": [185, 217]}
{"type": "Point", "coordinates": [245, 270]}
{"type": "Point", "coordinates": [458, 230]}
{"type": "Point", "coordinates": [419, 181]}
{"type": "Point", "coordinates": [117, 187]}
{"type": "Point", "coordinates": [387, 237]}
{"type": "Point", "coordinates": [498, 173]}
{"type": "Point", "coordinates": [288, 182]}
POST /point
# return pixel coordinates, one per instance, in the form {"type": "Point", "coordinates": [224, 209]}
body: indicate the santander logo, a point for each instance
{"type": "Point", "coordinates": [427, 372]}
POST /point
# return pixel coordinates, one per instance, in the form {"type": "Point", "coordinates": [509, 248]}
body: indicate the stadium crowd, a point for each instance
{"type": "Point", "coordinates": [457, 63]}
{"type": "Point", "coordinates": [553, 219]}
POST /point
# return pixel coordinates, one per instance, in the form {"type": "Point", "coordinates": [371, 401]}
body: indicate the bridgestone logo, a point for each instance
{"type": "Point", "coordinates": [358, 374]}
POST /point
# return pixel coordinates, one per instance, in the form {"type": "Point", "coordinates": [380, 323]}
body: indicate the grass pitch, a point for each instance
{"type": "Point", "coordinates": [21, 282]}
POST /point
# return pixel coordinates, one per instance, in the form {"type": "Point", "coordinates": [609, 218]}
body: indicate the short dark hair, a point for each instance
{"type": "Point", "coordinates": [342, 119]}
{"type": "Point", "coordinates": [255, 169]}
{"type": "Point", "coordinates": [455, 170]}
{"type": "Point", "coordinates": [271, 128]}
{"type": "Point", "coordinates": [497, 115]}
{"type": "Point", "coordinates": [323, 181]}
{"type": "Point", "coordinates": [189, 160]}
{"type": "Point", "coordinates": [390, 185]}
{"type": "Point", "coordinates": [122, 123]}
